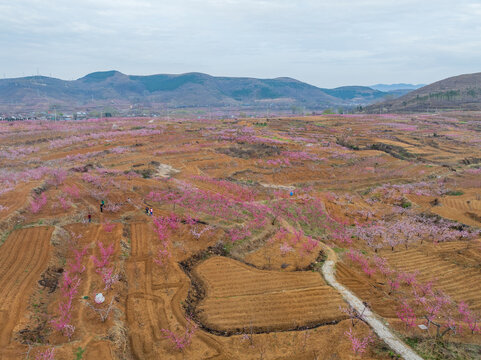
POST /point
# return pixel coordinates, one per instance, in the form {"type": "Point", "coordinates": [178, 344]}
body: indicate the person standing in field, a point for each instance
{"type": "Point", "coordinates": [151, 211]}
{"type": "Point", "coordinates": [102, 203]}
{"type": "Point", "coordinates": [147, 210]}
{"type": "Point", "coordinates": [90, 218]}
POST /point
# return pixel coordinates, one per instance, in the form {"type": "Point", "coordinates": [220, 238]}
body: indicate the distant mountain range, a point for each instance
{"type": "Point", "coordinates": [461, 92]}
{"type": "Point", "coordinates": [115, 90]}
{"type": "Point", "coordinates": [393, 87]}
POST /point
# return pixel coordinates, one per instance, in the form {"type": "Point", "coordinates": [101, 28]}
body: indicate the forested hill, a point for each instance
{"type": "Point", "coordinates": [114, 89]}
{"type": "Point", "coordinates": [461, 92]}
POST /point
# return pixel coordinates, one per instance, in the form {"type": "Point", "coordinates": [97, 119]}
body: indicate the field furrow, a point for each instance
{"type": "Point", "coordinates": [239, 296]}
{"type": "Point", "coordinates": [141, 239]}
{"type": "Point", "coordinates": [23, 257]}
{"type": "Point", "coordinates": [462, 284]}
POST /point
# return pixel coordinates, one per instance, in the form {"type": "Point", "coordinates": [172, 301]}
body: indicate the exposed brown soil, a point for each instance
{"type": "Point", "coordinates": [258, 297]}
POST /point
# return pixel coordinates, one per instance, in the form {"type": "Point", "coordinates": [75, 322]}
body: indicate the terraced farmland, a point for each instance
{"type": "Point", "coordinates": [457, 281]}
{"type": "Point", "coordinates": [244, 216]}
{"type": "Point", "coordinates": [239, 297]}
{"type": "Point", "coordinates": [23, 257]}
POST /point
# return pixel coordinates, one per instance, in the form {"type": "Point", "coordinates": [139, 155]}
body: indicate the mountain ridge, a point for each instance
{"type": "Point", "coordinates": [398, 86]}
{"type": "Point", "coordinates": [461, 92]}
{"type": "Point", "coordinates": [115, 89]}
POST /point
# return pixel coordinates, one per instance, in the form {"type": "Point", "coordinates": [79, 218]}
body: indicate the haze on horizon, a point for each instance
{"type": "Point", "coordinates": [325, 43]}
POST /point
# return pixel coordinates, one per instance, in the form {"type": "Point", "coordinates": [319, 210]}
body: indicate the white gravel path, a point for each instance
{"type": "Point", "coordinates": [372, 319]}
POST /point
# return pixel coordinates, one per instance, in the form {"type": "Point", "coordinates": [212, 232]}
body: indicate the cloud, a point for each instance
{"type": "Point", "coordinates": [327, 43]}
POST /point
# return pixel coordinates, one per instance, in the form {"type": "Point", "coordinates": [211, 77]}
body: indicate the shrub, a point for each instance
{"type": "Point", "coordinates": [108, 227]}
{"type": "Point", "coordinates": [285, 248]}
{"type": "Point", "coordinates": [105, 253]}
{"type": "Point", "coordinates": [455, 193]}
{"type": "Point", "coordinates": [113, 207]}
{"type": "Point", "coordinates": [103, 313]}
{"type": "Point", "coordinates": [64, 203]}
{"type": "Point", "coordinates": [69, 289]}
{"type": "Point", "coordinates": [309, 245]}
{"type": "Point", "coordinates": [77, 266]}
{"type": "Point", "coordinates": [57, 177]}
{"type": "Point", "coordinates": [181, 341]}
{"type": "Point", "coordinates": [72, 191]}
{"type": "Point", "coordinates": [38, 203]}
{"type": "Point", "coordinates": [46, 355]}
{"type": "Point", "coordinates": [359, 345]}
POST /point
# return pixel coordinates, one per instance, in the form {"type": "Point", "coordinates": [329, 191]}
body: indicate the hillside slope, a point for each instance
{"type": "Point", "coordinates": [461, 92]}
{"type": "Point", "coordinates": [394, 87]}
{"type": "Point", "coordinates": [114, 89]}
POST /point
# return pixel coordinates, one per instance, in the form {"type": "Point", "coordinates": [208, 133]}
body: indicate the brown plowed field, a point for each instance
{"type": "Point", "coordinates": [460, 252]}
{"type": "Point", "coordinates": [239, 297]}
{"type": "Point", "coordinates": [146, 316]}
{"type": "Point", "coordinates": [142, 240]}
{"type": "Point", "coordinates": [23, 257]}
{"type": "Point", "coordinates": [150, 297]}
{"type": "Point", "coordinates": [367, 291]}
{"type": "Point", "coordinates": [16, 199]}
{"type": "Point", "coordinates": [240, 274]}
{"type": "Point", "coordinates": [458, 282]}
{"type": "Point", "coordinates": [465, 209]}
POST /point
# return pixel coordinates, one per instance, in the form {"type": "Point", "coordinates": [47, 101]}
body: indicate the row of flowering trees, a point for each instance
{"type": "Point", "coordinates": [9, 179]}
{"type": "Point", "coordinates": [407, 229]}
{"type": "Point", "coordinates": [71, 280]}
{"type": "Point", "coordinates": [419, 301]}
{"type": "Point", "coordinates": [164, 226]}
{"type": "Point", "coordinates": [76, 139]}
{"type": "Point", "coordinates": [64, 199]}
{"type": "Point", "coordinates": [69, 288]}
{"type": "Point", "coordinates": [247, 216]}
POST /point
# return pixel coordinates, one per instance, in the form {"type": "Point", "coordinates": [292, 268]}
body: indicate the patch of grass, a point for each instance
{"type": "Point", "coordinates": [412, 342]}
{"type": "Point", "coordinates": [17, 226]}
{"type": "Point", "coordinates": [79, 353]}
{"type": "Point", "coordinates": [406, 204]}
{"type": "Point", "coordinates": [439, 349]}
{"type": "Point", "coordinates": [455, 193]}
{"type": "Point", "coordinates": [339, 250]}
{"type": "Point", "coordinates": [228, 247]}
{"type": "Point", "coordinates": [382, 349]}
{"type": "Point", "coordinates": [277, 138]}
{"type": "Point", "coordinates": [4, 237]}
{"type": "Point", "coordinates": [366, 191]}
{"type": "Point", "coordinates": [145, 173]}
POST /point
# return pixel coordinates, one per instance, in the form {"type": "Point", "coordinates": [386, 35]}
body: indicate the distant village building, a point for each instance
{"type": "Point", "coordinates": [79, 115]}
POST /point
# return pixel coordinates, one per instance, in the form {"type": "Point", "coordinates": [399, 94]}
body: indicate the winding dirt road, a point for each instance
{"type": "Point", "coordinates": [374, 321]}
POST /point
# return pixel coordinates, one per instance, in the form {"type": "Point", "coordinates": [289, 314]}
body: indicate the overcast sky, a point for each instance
{"type": "Point", "coordinates": [323, 42]}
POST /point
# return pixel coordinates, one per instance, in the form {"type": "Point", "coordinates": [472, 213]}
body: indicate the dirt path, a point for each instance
{"type": "Point", "coordinates": [150, 310]}
{"type": "Point", "coordinates": [371, 318]}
